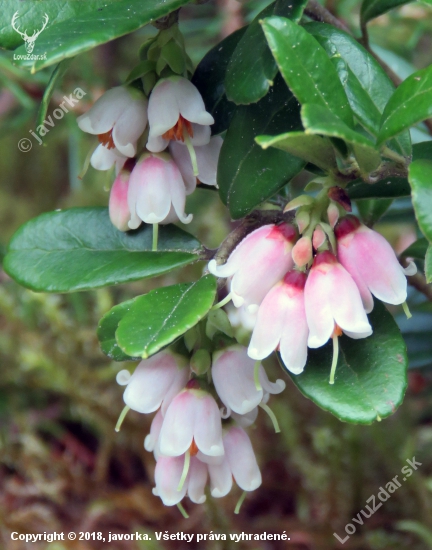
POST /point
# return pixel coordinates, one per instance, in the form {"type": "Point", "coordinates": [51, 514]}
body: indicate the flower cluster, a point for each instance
{"type": "Point", "coordinates": [192, 437]}
{"type": "Point", "coordinates": [152, 187]}
{"type": "Point", "coordinates": [301, 294]}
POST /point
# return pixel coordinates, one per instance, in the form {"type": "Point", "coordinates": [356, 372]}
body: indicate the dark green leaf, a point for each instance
{"type": "Point", "coordinates": [422, 150]}
{"type": "Point", "coordinates": [374, 8]}
{"type": "Point", "coordinates": [107, 328]}
{"type": "Point", "coordinates": [55, 79]}
{"type": "Point", "coordinates": [247, 174]}
{"type": "Point", "coordinates": [384, 189]}
{"type": "Point", "coordinates": [159, 317]}
{"type": "Point", "coordinates": [252, 68]}
{"type": "Point", "coordinates": [417, 249]}
{"type": "Point", "coordinates": [428, 264]}
{"type": "Point", "coordinates": [420, 178]}
{"type": "Point", "coordinates": [319, 120]}
{"type": "Point", "coordinates": [140, 70]}
{"type": "Point", "coordinates": [371, 375]}
{"type": "Point", "coordinates": [366, 84]}
{"type": "Point", "coordinates": [411, 103]}
{"type": "Point", "coordinates": [209, 78]}
{"type": "Point", "coordinates": [86, 29]}
{"type": "Point", "coordinates": [371, 210]}
{"type": "Point", "coordinates": [305, 66]}
{"type": "Point", "coordinates": [313, 149]}
{"type": "Point", "coordinates": [79, 249]}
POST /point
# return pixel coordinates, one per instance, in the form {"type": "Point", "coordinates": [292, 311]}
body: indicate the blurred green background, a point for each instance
{"type": "Point", "coordinates": [62, 466]}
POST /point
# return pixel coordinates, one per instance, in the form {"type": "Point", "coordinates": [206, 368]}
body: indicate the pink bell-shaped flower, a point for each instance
{"type": "Point", "coordinates": [104, 159]}
{"type": "Point", "coordinates": [233, 374]}
{"type": "Point", "coordinates": [371, 262]}
{"type": "Point", "coordinates": [332, 300]}
{"type": "Point", "coordinates": [257, 263]}
{"type": "Point", "coordinates": [155, 382]}
{"type": "Point", "coordinates": [118, 118]}
{"type": "Point", "coordinates": [281, 323]}
{"type": "Point", "coordinates": [207, 157]}
{"type": "Point", "coordinates": [176, 111]}
{"type": "Point", "coordinates": [151, 441]}
{"type": "Point", "coordinates": [119, 212]}
{"type": "Point", "coordinates": [191, 421]}
{"type": "Point", "coordinates": [157, 193]}
{"type": "Point", "coordinates": [168, 475]}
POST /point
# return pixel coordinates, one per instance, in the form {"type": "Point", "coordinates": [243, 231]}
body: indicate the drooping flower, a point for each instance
{"type": "Point", "coordinates": [233, 374]}
{"type": "Point", "coordinates": [176, 111]}
{"type": "Point", "coordinates": [332, 300]}
{"type": "Point", "coordinates": [151, 441]}
{"type": "Point", "coordinates": [192, 422]}
{"type": "Point", "coordinates": [168, 474]}
{"type": "Point", "coordinates": [119, 212]}
{"type": "Point", "coordinates": [118, 118]}
{"type": "Point", "coordinates": [157, 193]}
{"type": "Point", "coordinates": [281, 323]}
{"type": "Point", "coordinates": [155, 382]}
{"type": "Point", "coordinates": [258, 262]}
{"type": "Point", "coordinates": [371, 262]}
{"type": "Point", "coordinates": [207, 161]}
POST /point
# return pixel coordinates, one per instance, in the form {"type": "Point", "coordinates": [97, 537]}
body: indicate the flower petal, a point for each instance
{"type": "Point", "coordinates": [241, 459]}
{"type": "Point", "coordinates": [178, 426]}
{"type": "Point", "coordinates": [208, 427]}
{"type": "Point", "coordinates": [197, 481]}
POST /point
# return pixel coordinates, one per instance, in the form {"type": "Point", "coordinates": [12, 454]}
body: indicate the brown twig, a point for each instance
{"type": "Point", "coordinates": [317, 12]}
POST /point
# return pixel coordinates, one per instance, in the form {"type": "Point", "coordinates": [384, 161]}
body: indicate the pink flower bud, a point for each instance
{"type": "Point", "coordinates": [302, 251]}
{"type": "Point", "coordinates": [119, 212]}
{"type": "Point", "coordinates": [319, 237]}
{"type": "Point", "coordinates": [332, 299]}
{"type": "Point", "coordinates": [332, 214]}
{"type": "Point", "coordinates": [371, 262]}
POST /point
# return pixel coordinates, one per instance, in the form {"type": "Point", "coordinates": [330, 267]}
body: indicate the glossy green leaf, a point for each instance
{"type": "Point", "coordinates": [374, 8]}
{"type": "Point", "coordinates": [319, 120]}
{"type": "Point", "coordinates": [161, 316]}
{"type": "Point", "coordinates": [247, 174]}
{"type": "Point", "coordinates": [79, 249]}
{"type": "Point", "coordinates": [417, 249]}
{"type": "Point", "coordinates": [428, 264]}
{"type": "Point", "coordinates": [420, 178]}
{"type": "Point", "coordinates": [209, 78]}
{"type": "Point", "coordinates": [87, 29]}
{"type": "Point", "coordinates": [371, 376]}
{"type": "Point", "coordinates": [371, 210]}
{"type": "Point", "coordinates": [306, 67]}
{"type": "Point", "coordinates": [366, 84]}
{"type": "Point", "coordinates": [422, 150]}
{"type": "Point", "coordinates": [411, 103]}
{"type": "Point", "coordinates": [384, 189]}
{"type": "Point", "coordinates": [107, 329]}
{"type": "Point", "coordinates": [252, 68]}
{"type": "Point", "coordinates": [314, 149]}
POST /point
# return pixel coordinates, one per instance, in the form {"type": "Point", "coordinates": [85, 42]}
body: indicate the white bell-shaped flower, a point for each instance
{"type": "Point", "coordinates": [157, 193]}
{"type": "Point", "coordinates": [176, 111]}
{"type": "Point", "coordinates": [192, 422]}
{"type": "Point", "coordinates": [118, 118]}
{"type": "Point", "coordinates": [235, 380]}
{"type": "Point", "coordinates": [104, 159]}
{"type": "Point", "coordinates": [155, 382]}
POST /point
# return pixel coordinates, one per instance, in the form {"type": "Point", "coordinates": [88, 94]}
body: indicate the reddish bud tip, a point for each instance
{"type": "Point", "coordinates": [347, 225]}
{"type": "Point", "coordinates": [340, 196]}
{"type": "Point", "coordinates": [296, 279]}
{"type": "Point", "coordinates": [285, 230]}
{"type": "Point", "coordinates": [193, 384]}
{"type": "Point", "coordinates": [324, 257]}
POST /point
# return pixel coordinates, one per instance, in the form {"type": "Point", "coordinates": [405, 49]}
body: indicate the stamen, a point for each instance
{"type": "Point", "coordinates": [240, 502]}
{"type": "Point", "coordinates": [272, 416]}
{"type": "Point", "coordinates": [335, 339]}
{"type": "Point", "coordinates": [190, 148]}
{"type": "Point", "coordinates": [256, 376]}
{"type": "Point", "coordinates": [223, 302]}
{"type": "Point", "coordinates": [155, 237]}
{"type": "Point", "coordinates": [406, 310]}
{"type": "Point", "coordinates": [185, 471]}
{"type": "Point", "coordinates": [182, 510]}
{"type": "Point", "coordinates": [121, 418]}
{"type": "Point", "coordinates": [106, 139]}
{"type": "Point", "coordinates": [178, 130]}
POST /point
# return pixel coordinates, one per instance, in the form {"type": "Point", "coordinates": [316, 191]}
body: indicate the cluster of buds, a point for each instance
{"type": "Point", "coordinates": [198, 433]}
{"type": "Point", "coordinates": [179, 151]}
{"type": "Point", "coordinates": [304, 285]}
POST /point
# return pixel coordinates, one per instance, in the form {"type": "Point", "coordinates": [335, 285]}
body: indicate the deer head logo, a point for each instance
{"type": "Point", "coordinates": [29, 40]}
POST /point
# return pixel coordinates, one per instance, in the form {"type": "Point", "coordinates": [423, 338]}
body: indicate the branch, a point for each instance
{"type": "Point", "coordinates": [315, 11]}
